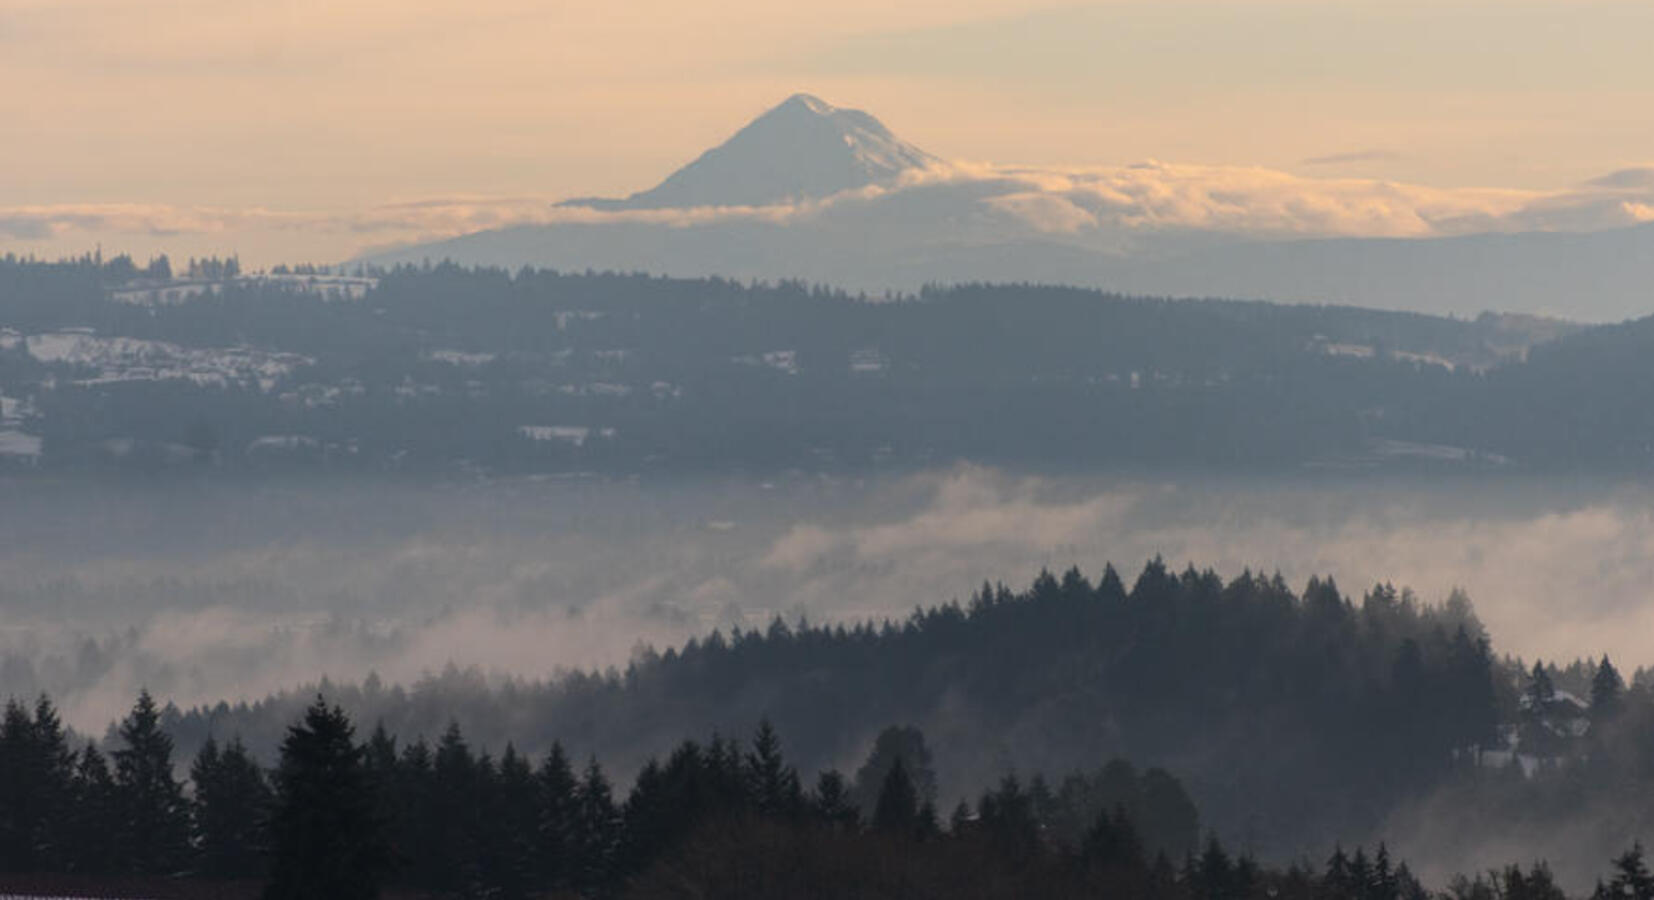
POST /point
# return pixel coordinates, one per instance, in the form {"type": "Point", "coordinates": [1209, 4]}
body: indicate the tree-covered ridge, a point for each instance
{"type": "Point", "coordinates": [1294, 721]}
{"type": "Point", "coordinates": [444, 368]}
{"type": "Point", "coordinates": [345, 817]}
{"type": "Point", "coordinates": [1247, 689]}
{"type": "Point", "coordinates": [338, 814]}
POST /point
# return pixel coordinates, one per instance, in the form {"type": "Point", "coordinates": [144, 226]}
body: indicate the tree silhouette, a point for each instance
{"type": "Point", "coordinates": [155, 818]}
{"type": "Point", "coordinates": [1607, 688]}
{"type": "Point", "coordinates": [327, 837]}
{"type": "Point", "coordinates": [231, 803]}
{"type": "Point", "coordinates": [897, 809]}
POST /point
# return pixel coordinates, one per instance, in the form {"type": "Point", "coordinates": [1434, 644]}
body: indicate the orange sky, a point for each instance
{"type": "Point", "coordinates": [319, 105]}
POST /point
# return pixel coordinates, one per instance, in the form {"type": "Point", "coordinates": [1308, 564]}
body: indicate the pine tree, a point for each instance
{"type": "Point", "coordinates": [1631, 879]}
{"type": "Point", "coordinates": [327, 837]}
{"type": "Point", "coordinates": [897, 810]}
{"type": "Point", "coordinates": [772, 784]}
{"type": "Point", "coordinates": [895, 743]}
{"type": "Point", "coordinates": [1386, 885]}
{"type": "Point", "coordinates": [1607, 687]}
{"type": "Point", "coordinates": [514, 812]}
{"type": "Point", "coordinates": [831, 802]}
{"type": "Point", "coordinates": [18, 811]}
{"type": "Point", "coordinates": [456, 788]}
{"type": "Point", "coordinates": [415, 834]}
{"type": "Point", "coordinates": [1214, 872]}
{"type": "Point", "coordinates": [380, 758]}
{"type": "Point", "coordinates": [559, 820]}
{"type": "Point", "coordinates": [1541, 692]}
{"type": "Point", "coordinates": [36, 777]}
{"type": "Point", "coordinates": [53, 770]}
{"type": "Point", "coordinates": [1110, 588]}
{"type": "Point", "coordinates": [1112, 842]}
{"type": "Point", "coordinates": [596, 831]}
{"type": "Point", "coordinates": [94, 817]}
{"type": "Point", "coordinates": [232, 802]}
{"type": "Point", "coordinates": [154, 827]}
{"type": "Point", "coordinates": [1337, 881]}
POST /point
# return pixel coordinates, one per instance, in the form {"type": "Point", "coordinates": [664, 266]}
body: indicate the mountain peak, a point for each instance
{"type": "Point", "coordinates": [803, 148]}
{"type": "Point", "coordinates": [808, 102]}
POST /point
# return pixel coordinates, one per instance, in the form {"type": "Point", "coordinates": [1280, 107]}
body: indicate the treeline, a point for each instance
{"type": "Point", "coordinates": [443, 367]}
{"type": "Point", "coordinates": [1266, 701]}
{"type": "Point", "coordinates": [343, 818]}
{"type": "Point", "coordinates": [335, 816]}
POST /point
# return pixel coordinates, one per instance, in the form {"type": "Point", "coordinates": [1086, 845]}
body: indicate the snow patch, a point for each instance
{"type": "Point", "coordinates": [18, 444]}
{"type": "Point", "coordinates": [782, 360]}
{"type": "Point", "coordinates": [275, 443]}
{"type": "Point", "coordinates": [120, 359]}
{"type": "Point", "coordinates": [460, 358]}
{"type": "Point", "coordinates": [574, 435]}
{"type": "Point", "coordinates": [867, 362]}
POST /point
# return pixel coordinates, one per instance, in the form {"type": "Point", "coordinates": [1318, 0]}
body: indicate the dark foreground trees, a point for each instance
{"type": "Point", "coordinates": [348, 820]}
{"type": "Point", "coordinates": [328, 837]}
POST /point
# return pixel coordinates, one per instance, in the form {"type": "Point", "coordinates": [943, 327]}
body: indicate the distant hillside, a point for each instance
{"type": "Point", "coordinates": [477, 370]}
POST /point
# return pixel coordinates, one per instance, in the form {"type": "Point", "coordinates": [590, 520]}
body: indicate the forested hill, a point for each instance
{"type": "Point", "coordinates": [449, 370]}
{"type": "Point", "coordinates": [1263, 700]}
{"type": "Point", "coordinates": [1296, 720]}
{"type": "Point", "coordinates": [341, 816]}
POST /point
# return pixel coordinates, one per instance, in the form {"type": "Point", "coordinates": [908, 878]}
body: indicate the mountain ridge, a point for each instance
{"type": "Point", "coordinates": [802, 148]}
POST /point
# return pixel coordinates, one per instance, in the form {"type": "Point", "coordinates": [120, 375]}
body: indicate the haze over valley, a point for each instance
{"type": "Point", "coordinates": [1191, 450]}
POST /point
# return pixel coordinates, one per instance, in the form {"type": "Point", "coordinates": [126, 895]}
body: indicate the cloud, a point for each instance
{"type": "Point", "coordinates": [1634, 178]}
{"type": "Point", "coordinates": [1095, 207]}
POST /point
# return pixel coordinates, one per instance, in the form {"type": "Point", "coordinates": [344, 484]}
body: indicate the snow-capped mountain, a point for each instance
{"type": "Point", "coordinates": [802, 149]}
{"type": "Point", "coordinates": [1585, 252]}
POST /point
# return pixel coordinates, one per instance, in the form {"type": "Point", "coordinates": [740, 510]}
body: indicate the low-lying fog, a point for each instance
{"type": "Point", "coordinates": [221, 592]}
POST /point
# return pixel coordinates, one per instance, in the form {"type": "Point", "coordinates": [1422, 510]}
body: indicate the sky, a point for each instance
{"type": "Point", "coordinates": [310, 127]}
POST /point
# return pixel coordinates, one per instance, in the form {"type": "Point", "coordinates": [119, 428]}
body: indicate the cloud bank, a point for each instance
{"type": "Point", "coordinates": [231, 594]}
{"type": "Point", "coordinates": [1098, 207]}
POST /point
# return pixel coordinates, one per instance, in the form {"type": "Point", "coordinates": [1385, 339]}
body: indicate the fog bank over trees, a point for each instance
{"type": "Point", "coordinates": [216, 592]}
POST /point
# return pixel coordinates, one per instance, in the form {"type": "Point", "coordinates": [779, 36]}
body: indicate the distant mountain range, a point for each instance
{"type": "Point", "coordinates": [827, 195]}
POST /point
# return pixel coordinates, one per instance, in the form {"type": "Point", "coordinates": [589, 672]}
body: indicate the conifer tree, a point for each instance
{"type": "Point", "coordinates": [831, 802]}
{"type": "Point", "coordinates": [1112, 841]}
{"type": "Point", "coordinates": [456, 791]}
{"type": "Point", "coordinates": [1607, 687]}
{"type": "Point", "coordinates": [232, 803]}
{"type": "Point", "coordinates": [558, 819]}
{"type": "Point", "coordinates": [326, 834]}
{"type": "Point", "coordinates": [414, 832]}
{"type": "Point", "coordinates": [772, 784]}
{"type": "Point", "coordinates": [1631, 880]}
{"type": "Point", "coordinates": [36, 778]}
{"type": "Point", "coordinates": [514, 813]}
{"type": "Point", "coordinates": [93, 818]}
{"type": "Point", "coordinates": [905, 743]}
{"type": "Point", "coordinates": [897, 810]}
{"type": "Point", "coordinates": [596, 831]}
{"type": "Point", "coordinates": [154, 827]}
{"type": "Point", "coordinates": [18, 808]}
{"type": "Point", "coordinates": [53, 769]}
